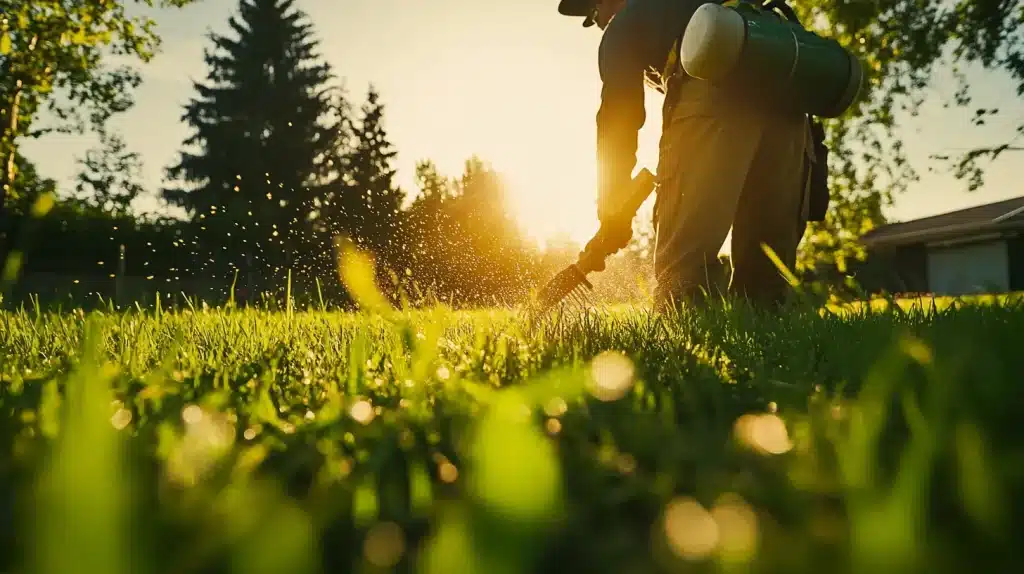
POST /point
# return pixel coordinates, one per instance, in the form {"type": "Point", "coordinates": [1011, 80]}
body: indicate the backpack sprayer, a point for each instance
{"type": "Point", "coordinates": [744, 45]}
{"type": "Point", "coordinates": [572, 281]}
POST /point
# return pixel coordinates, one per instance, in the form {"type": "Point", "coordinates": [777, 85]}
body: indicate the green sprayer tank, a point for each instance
{"type": "Point", "coordinates": [744, 45]}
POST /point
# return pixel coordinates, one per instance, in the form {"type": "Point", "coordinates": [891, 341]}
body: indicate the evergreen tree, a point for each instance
{"type": "Point", "coordinates": [466, 248]}
{"type": "Point", "coordinates": [488, 251]}
{"type": "Point", "coordinates": [264, 137]}
{"type": "Point", "coordinates": [375, 204]}
{"type": "Point", "coordinates": [329, 215]}
{"type": "Point", "coordinates": [430, 229]}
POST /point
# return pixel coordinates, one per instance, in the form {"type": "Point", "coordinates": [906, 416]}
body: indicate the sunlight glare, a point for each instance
{"type": "Point", "coordinates": [532, 118]}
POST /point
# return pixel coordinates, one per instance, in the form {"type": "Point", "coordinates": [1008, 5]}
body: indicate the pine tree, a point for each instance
{"type": "Point", "coordinates": [488, 251]}
{"type": "Point", "coordinates": [492, 230]}
{"type": "Point", "coordinates": [330, 216]}
{"type": "Point", "coordinates": [375, 204]}
{"type": "Point", "coordinates": [263, 146]}
{"type": "Point", "coordinates": [429, 231]}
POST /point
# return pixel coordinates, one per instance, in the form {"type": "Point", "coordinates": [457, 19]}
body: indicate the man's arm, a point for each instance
{"type": "Point", "coordinates": [623, 58]}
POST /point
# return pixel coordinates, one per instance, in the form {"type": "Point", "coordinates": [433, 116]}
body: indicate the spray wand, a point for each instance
{"type": "Point", "coordinates": [572, 281]}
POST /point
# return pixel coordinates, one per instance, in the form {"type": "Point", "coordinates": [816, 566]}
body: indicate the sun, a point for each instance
{"type": "Point", "coordinates": [547, 159]}
{"type": "Point", "coordinates": [553, 204]}
{"type": "Point", "coordinates": [552, 193]}
{"type": "Point", "coordinates": [529, 111]}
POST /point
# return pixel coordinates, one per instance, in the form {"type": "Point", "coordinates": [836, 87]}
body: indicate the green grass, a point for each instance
{"type": "Point", "coordinates": [711, 441]}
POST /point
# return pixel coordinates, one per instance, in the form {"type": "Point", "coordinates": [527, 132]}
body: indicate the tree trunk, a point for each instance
{"type": "Point", "coordinates": [8, 137]}
{"type": "Point", "coordinates": [7, 173]}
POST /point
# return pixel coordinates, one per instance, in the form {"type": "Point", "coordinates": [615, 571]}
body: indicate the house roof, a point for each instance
{"type": "Point", "coordinates": [991, 217]}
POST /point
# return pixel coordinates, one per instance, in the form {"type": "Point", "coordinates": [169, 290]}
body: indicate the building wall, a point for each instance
{"type": "Point", "coordinates": [901, 269]}
{"type": "Point", "coordinates": [1015, 247]}
{"type": "Point", "coordinates": [969, 268]}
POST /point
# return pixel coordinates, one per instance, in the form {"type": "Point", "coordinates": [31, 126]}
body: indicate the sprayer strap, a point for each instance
{"type": "Point", "coordinates": [786, 10]}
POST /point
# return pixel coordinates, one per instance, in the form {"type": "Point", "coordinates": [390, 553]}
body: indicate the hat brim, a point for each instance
{"type": "Point", "coordinates": [582, 8]}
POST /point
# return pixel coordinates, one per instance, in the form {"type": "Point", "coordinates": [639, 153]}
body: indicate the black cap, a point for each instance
{"type": "Point", "coordinates": [583, 8]}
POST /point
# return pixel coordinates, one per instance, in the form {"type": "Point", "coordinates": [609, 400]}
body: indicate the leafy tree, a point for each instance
{"type": "Point", "coordinates": [265, 133]}
{"type": "Point", "coordinates": [109, 175]}
{"type": "Point", "coordinates": [901, 44]}
{"type": "Point", "coordinates": [28, 186]}
{"type": "Point", "coordinates": [54, 54]}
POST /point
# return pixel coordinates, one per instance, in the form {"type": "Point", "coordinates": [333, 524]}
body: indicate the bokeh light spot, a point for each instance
{"type": "Point", "coordinates": [690, 530]}
{"type": "Point", "coordinates": [384, 544]}
{"type": "Point", "coordinates": [362, 412]}
{"type": "Point", "coordinates": [611, 376]}
{"type": "Point", "coordinates": [765, 433]}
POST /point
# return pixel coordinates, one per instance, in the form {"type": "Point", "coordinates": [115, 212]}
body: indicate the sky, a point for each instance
{"type": "Point", "coordinates": [513, 82]}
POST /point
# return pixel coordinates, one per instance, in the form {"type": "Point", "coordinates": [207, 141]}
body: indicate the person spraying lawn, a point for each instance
{"type": "Point", "coordinates": [740, 146]}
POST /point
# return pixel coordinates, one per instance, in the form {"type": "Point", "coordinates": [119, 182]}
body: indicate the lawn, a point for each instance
{"type": "Point", "coordinates": [719, 440]}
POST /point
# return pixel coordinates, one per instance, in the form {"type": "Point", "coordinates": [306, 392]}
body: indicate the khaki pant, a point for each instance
{"type": "Point", "coordinates": [728, 163]}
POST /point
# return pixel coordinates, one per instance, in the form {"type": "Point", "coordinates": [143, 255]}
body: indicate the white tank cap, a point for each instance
{"type": "Point", "coordinates": [712, 42]}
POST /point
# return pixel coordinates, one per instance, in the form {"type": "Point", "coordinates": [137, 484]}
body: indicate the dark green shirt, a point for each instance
{"type": "Point", "coordinates": [633, 52]}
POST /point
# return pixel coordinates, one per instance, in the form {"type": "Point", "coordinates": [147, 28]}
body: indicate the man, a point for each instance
{"type": "Point", "coordinates": [724, 160]}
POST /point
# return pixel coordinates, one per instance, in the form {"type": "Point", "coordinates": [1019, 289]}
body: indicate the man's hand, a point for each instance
{"type": "Point", "coordinates": [614, 234]}
{"type": "Point", "coordinates": [616, 231]}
